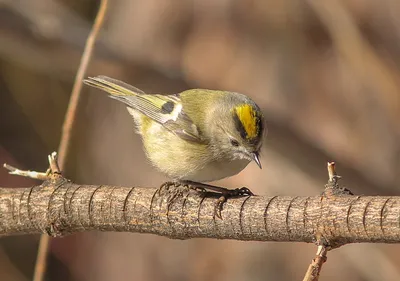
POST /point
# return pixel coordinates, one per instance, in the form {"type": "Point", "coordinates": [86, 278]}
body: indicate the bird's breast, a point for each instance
{"type": "Point", "coordinates": [183, 160]}
{"type": "Point", "coordinates": [217, 170]}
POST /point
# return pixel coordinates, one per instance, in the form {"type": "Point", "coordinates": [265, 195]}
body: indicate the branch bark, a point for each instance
{"type": "Point", "coordinates": [59, 207]}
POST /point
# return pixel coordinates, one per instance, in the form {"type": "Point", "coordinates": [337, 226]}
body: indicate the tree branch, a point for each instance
{"type": "Point", "coordinates": [59, 207]}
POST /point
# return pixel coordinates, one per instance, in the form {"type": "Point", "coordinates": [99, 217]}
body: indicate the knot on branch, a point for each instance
{"type": "Point", "coordinates": [332, 188]}
{"type": "Point", "coordinates": [57, 228]}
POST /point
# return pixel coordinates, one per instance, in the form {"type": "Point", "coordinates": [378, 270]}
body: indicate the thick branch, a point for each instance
{"type": "Point", "coordinates": [59, 207]}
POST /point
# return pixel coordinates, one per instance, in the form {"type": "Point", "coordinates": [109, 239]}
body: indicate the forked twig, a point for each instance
{"type": "Point", "coordinates": [315, 267]}
{"type": "Point", "coordinates": [43, 176]}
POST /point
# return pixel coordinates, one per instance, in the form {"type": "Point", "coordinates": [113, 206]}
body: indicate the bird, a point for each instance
{"type": "Point", "coordinates": [196, 136]}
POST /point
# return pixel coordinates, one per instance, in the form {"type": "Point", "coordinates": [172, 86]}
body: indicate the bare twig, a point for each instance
{"type": "Point", "coordinates": [53, 164]}
{"type": "Point", "coordinates": [314, 269]}
{"type": "Point", "coordinates": [70, 117]}
{"type": "Point", "coordinates": [53, 170]}
{"type": "Point", "coordinates": [333, 176]}
{"type": "Point", "coordinates": [331, 171]}
{"type": "Point", "coordinates": [28, 174]}
{"type": "Point", "coordinates": [75, 95]}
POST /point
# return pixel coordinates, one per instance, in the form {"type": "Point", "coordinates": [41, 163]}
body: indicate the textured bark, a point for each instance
{"type": "Point", "coordinates": [59, 207]}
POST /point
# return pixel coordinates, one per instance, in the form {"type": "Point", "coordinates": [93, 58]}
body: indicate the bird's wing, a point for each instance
{"type": "Point", "coordinates": [164, 109]}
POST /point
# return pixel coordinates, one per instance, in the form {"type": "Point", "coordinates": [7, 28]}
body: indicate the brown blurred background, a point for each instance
{"type": "Point", "coordinates": [326, 74]}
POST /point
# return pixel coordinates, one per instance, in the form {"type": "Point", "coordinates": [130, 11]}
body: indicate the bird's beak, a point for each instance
{"type": "Point", "coordinates": [256, 158]}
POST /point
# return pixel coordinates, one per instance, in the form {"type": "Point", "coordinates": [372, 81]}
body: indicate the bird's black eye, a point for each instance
{"type": "Point", "coordinates": [234, 142]}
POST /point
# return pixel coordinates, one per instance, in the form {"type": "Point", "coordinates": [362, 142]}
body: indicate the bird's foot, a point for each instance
{"type": "Point", "coordinates": [224, 193]}
{"type": "Point", "coordinates": [173, 189]}
{"type": "Point", "coordinates": [166, 186]}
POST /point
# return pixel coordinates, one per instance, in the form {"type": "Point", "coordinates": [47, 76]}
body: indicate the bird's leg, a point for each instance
{"type": "Point", "coordinates": [243, 191]}
{"type": "Point", "coordinates": [224, 192]}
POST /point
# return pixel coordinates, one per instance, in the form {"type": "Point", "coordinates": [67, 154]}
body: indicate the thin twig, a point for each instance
{"type": "Point", "coordinates": [75, 95]}
{"type": "Point", "coordinates": [53, 163]}
{"type": "Point", "coordinates": [30, 174]}
{"type": "Point", "coordinates": [314, 269]}
{"type": "Point", "coordinates": [70, 117]}
{"type": "Point", "coordinates": [331, 171]}
{"type": "Point", "coordinates": [333, 176]}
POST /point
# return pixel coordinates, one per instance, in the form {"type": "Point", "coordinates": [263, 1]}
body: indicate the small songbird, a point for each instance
{"type": "Point", "coordinates": [195, 136]}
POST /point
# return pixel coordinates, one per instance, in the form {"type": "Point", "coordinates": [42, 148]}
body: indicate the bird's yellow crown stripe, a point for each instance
{"type": "Point", "coordinates": [248, 117]}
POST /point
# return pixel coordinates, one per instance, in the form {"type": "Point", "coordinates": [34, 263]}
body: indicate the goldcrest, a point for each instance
{"type": "Point", "coordinates": [195, 136]}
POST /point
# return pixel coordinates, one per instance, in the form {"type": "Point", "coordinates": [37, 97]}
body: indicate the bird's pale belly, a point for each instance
{"type": "Point", "coordinates": [187, 167]}
{"type": "Point", "coordinates": [217, 170]}
{"type": "Point", "coordinates": [182, 160]}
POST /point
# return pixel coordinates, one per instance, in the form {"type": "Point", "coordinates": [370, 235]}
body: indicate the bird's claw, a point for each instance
{"type": "Point", "coordinates": [224, 193]}
{"type": "Point", "coordinates": [243, 191]}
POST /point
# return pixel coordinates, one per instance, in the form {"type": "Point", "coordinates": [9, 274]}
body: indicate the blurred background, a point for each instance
{"type": "Point", "coordinates": [325, 73]}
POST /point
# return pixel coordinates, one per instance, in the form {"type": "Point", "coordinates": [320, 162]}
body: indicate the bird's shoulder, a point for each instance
{"type": "Point", "coordinates": [198, 103]}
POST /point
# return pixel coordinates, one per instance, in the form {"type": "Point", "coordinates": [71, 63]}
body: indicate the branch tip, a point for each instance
{"type": "Point", "coordinates": [54, 169]}
{"type": "Point", "coordinates": [333, 177]}
{"type": "Point", "coordinates": [53, 163]}
{"type": "Point", "coordinates": [331, 171]}
{"type": "Point", "coordinates": [26, 173]}
{"type": "Point", "coordinates": [9, 168]}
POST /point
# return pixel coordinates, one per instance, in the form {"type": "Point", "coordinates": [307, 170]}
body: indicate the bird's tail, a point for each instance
{"type": "Point", "coordinates": [114, 87]}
